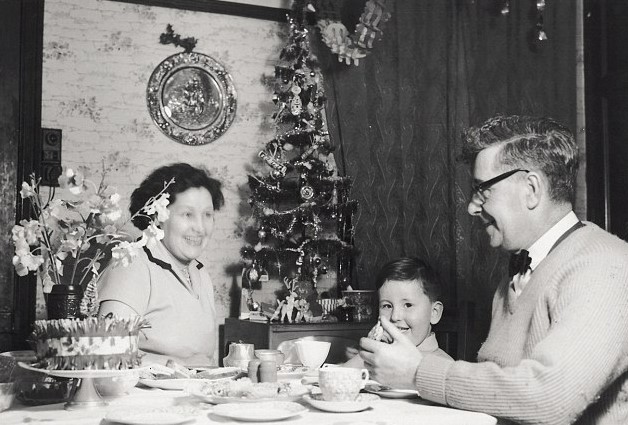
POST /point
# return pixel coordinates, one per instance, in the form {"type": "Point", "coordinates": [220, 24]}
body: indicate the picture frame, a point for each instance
{"type": "Point", "coordinates": [191, 98]}
{"type": "Point", "coordinates": [272, 10]}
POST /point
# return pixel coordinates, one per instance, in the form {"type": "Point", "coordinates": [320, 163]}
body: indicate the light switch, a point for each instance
{"type": "Point", "coordinates": [50, 156]}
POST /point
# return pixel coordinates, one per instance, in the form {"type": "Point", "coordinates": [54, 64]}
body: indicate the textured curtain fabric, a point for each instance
{"type": "Point", "coordinates": [397, 118]}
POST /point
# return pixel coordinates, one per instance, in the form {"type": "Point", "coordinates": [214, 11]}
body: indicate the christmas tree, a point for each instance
{"type": "Point", "coordinates": [300, 205]}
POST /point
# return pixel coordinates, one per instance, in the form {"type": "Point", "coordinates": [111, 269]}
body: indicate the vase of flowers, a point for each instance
{"type": "Point", "coordinates": [69, 242]}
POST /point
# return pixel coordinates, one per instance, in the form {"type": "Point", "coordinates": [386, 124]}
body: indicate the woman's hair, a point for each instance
{"type": "Point", "coordinates": [185, 177]}
{"type": "Point", "coordinates": [411, 269]}
{"type": "Point", "coordinates": [530, 143]}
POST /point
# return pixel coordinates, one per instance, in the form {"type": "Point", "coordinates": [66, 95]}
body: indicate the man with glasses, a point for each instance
{"type": "Point", "coordinates": [557, 349]}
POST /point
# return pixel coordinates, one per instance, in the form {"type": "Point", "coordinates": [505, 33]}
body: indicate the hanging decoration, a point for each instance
{"type": "Point", "coordinates": [350, 47]}
{"type": "Point", "coordinates": [540, 31]}
{"type": "Point", "coordinates": [505, 10]}
{"type": "Point", "coordinates": [190, 96]}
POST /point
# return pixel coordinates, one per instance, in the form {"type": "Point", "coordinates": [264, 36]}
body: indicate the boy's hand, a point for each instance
{"type": "Point", "coordinates": [391, 364]}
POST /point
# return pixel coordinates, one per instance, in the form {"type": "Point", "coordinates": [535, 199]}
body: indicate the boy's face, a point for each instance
{"type": "Point", "coordinates": [408, 308]}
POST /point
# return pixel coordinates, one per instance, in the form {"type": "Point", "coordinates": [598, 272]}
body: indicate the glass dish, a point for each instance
{"type": "Point", "coordinates": [44, 390]}
{"type": "Point", "coordinates": [7, 394]}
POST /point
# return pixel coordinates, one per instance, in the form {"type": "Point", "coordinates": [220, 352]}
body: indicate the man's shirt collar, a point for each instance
{"type": "Point", "coordinates": [539, 249]}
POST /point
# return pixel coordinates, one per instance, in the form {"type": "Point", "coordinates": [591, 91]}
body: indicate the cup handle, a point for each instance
{"type": "Point", "coordinates": [365, 377]}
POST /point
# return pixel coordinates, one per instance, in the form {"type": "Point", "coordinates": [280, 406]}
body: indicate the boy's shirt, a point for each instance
{"type": "Point", "coordinates": [430, 345]}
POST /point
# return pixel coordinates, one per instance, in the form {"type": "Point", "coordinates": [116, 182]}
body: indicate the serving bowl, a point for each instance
{"type": "Point", "coordinates": [267, 354]}
{"type": "Point", "coordinates": [312, 353]}
{"type": "Point", "coordinates": [40, 390]}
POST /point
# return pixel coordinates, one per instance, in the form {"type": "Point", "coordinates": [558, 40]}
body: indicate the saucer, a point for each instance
{"type": "Point", "coordinates": [388, 392]}
{"type": "Point", "coordinates": [363, 402]}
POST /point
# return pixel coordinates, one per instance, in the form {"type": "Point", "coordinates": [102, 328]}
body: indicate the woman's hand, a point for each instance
{"type": "Point", "coordinates": [391, 364]}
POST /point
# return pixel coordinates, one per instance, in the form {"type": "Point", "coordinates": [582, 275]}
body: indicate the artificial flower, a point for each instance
{"type": "Point", "coordinates": [68, 240]}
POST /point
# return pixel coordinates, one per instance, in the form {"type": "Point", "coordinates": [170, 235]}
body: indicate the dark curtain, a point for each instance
{"type": "Point", "coordinates": [441, 66]}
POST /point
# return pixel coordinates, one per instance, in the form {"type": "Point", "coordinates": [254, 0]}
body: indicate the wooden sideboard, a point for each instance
{"type": "Point", "coordinates": [270, 335]}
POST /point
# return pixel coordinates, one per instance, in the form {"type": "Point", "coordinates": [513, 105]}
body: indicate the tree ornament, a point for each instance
{"type": "Point", "coordinates": [252, 274]}
{"type": "Point", "coordinates": [296, 106]}
{"type": "Point", "coordinates": [273, 162]}
{"type": "Point", "coordinates": [505, 8]}
{"type": "Point", "coordinates": [307, 192]}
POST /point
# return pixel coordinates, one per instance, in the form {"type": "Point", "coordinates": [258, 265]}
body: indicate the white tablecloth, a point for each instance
{"type": "Point", "coordinates": [382, 412]}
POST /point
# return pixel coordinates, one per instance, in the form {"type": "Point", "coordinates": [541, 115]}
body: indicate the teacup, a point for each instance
{"type": "Point", "coordinates": [341, 383]}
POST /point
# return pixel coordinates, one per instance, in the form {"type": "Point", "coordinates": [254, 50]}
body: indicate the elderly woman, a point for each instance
{"type": "Point", "coordinates": [166, 284]}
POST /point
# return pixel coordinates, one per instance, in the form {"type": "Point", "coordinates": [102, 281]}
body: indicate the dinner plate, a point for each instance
{"type": "Point", "coordinates": [172, 415]}
{"type": "Point", "coordinates": [182, 383]}
{"type": "Point", "coordinates": [260, 411]}
{"type": "Point", "coordinates": [177, 384]}
{"type": "Point", "coordinates": [285, 372]}
{"type": "Point", "coordinates": [387, 392]}
{"type": "Point", "coordinates": [363, 402]}
{"type": "Point", "coordinates": [195, 391]}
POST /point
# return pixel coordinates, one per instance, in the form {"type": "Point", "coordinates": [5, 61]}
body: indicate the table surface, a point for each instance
{"type": "Point", "coordinates": [382, 412]}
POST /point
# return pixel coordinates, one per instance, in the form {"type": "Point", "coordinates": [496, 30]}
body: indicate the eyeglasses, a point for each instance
{"type": "Point", "coordinates": [479, 188]}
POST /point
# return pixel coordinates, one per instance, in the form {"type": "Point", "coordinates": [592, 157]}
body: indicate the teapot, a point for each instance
{"type": "Point", "coordinates": [239, 355]}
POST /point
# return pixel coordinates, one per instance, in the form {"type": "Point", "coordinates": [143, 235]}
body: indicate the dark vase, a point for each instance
{"type": "Point", "coordinates": [64, 302]}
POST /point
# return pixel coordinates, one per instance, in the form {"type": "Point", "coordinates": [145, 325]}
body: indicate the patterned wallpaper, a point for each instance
{"type": "Point", "coordinates": [98, 58]}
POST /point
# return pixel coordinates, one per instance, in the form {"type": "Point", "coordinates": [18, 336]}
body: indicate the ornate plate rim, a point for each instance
{"type": "Point", "coordinates": [236, 411]}
{"type": "Point", "coordinates": [216, 71]}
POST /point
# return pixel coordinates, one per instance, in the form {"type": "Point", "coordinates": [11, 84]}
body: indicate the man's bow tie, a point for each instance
{"type": "Point", "coordinates": [519, 263]}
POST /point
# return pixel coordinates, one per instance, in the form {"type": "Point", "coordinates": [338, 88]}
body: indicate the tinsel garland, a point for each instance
{"type": "Point", "coordinates": [270, 255]}
{"type": "Point", "coordinates": [306, 210]}
{"type": "Point", "coordinates": [273, 191]}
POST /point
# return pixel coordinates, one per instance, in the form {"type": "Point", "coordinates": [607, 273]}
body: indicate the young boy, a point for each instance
{"type": "Point", "coordinates": [409, 293]}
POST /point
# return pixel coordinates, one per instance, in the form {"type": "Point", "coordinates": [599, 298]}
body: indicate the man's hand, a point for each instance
{"type": "Point", "coordinates": [391, 364]}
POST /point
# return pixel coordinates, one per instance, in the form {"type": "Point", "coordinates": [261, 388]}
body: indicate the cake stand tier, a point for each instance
{"type": "Point", "coordinates": [86, 395]}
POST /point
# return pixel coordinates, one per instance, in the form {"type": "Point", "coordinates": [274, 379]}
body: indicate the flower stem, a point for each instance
{"type": "Point", "coordinates": [37, 207]}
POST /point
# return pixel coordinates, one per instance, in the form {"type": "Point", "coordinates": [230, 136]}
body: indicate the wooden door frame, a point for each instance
{"type": "Point", "coordinates": [21, 62]}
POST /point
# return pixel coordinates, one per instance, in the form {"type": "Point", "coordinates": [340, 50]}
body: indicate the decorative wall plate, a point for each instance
{"type": "Point", "coordinates": [191, 98]}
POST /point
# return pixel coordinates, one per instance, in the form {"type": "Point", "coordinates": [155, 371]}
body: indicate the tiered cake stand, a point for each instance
{"type": "Point", "coordinates": [86, 395]}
